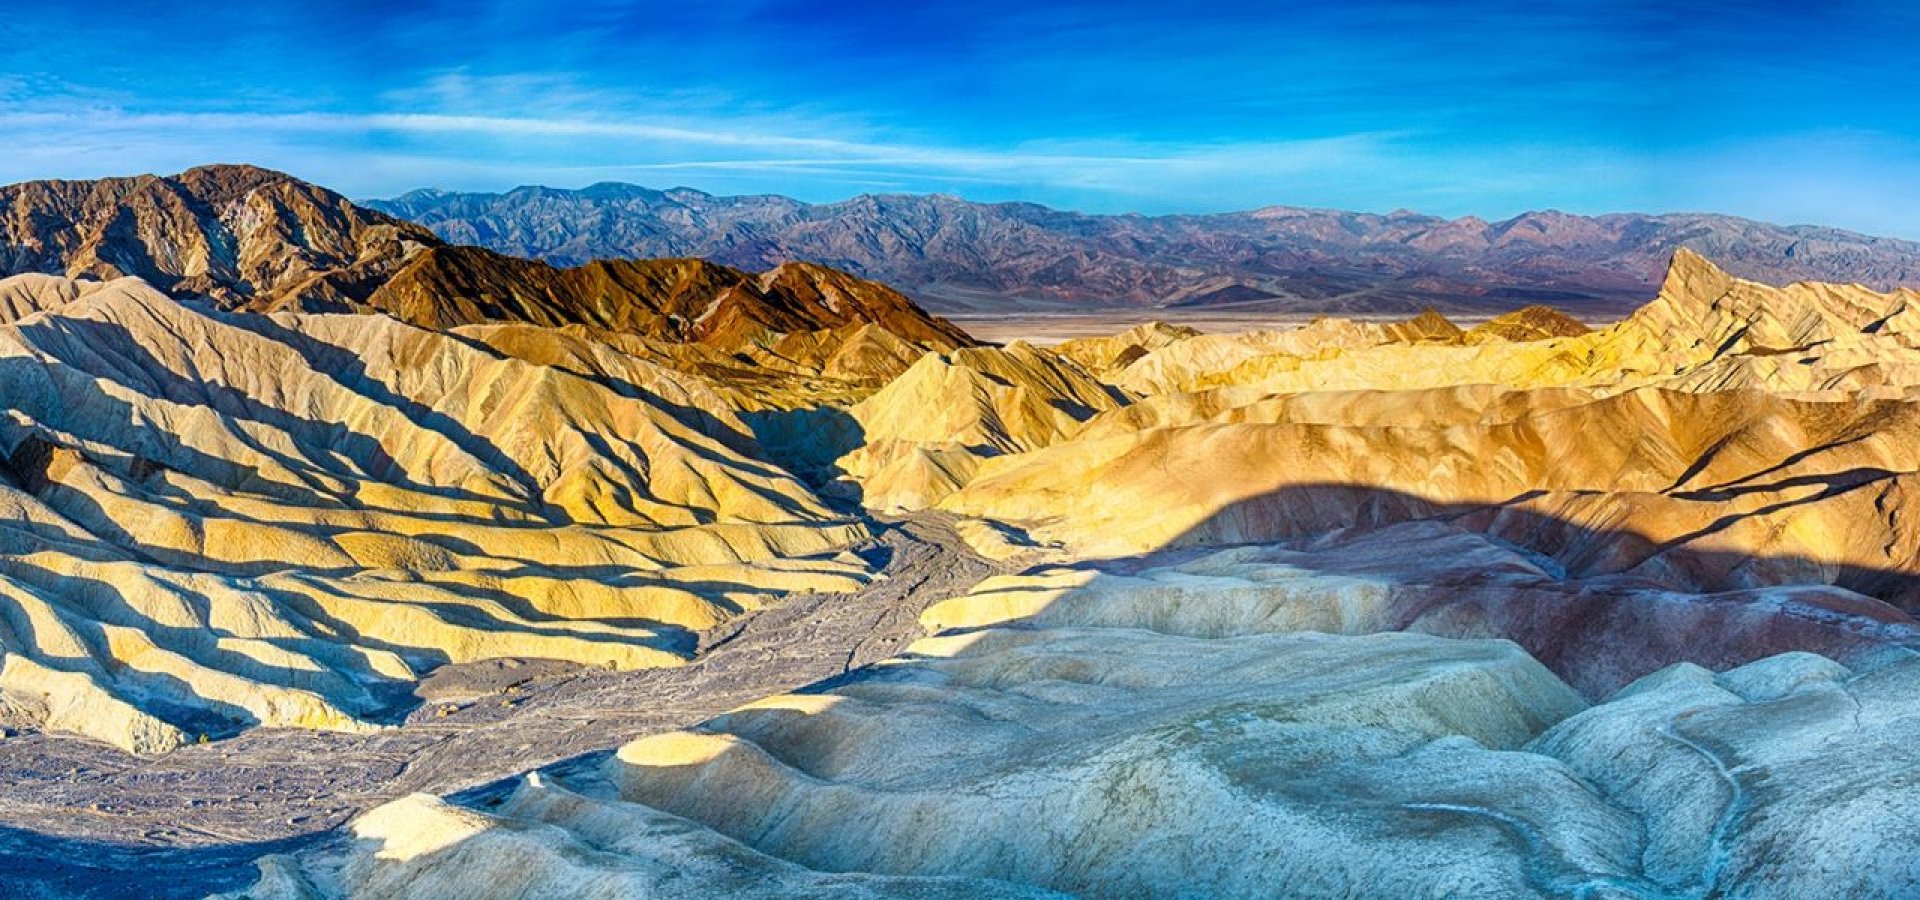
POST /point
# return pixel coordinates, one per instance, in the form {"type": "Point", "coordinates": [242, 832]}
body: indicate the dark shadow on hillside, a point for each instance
{"type": "Point", "coordinates": [35, 865]}
{"type": "Point", "coordinates": [700, 420]}
{"type": "Point", "coordinates": [1599, 605]}
{"type": "Point", "coordinates": [807, 442]}
{"type": "Point", "coordinates": [121, 358]}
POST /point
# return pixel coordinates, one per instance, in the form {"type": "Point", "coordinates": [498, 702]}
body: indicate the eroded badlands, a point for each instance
{"type": "Point", "coordinates": [1354, 609]}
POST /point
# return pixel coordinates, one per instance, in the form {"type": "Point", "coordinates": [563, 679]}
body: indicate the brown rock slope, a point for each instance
{"type": "Point", "coordinates": [239, 235]}
{"type": "Point", "coordinates": [249, 238]}
{"type": "Point", "coordinates": [671, 299]}
{"type": "Point", "coordinates": [1532, 323]}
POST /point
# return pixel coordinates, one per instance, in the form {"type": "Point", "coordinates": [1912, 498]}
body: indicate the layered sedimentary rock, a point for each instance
{"type": "Point", "coordinates": [1725, 420]}
{"type": "Point", "coordinates": [1531, 323]}
{"type": "Point", "coordinates": [1355, 609]}
{"type": "Point", "coordinates": [545, 840]}
{"type": "Point", "coordinates": [671, 299]}
{"type": "Point", "coordinates": [1705, 330]}
{"type": "Point", "coordinates": [412, 495]}
{"type": "Point", "coordinates": [1167, 361]}
{"type": "Point", "coordinates": [24, 295]}
{"type": "Point", "coordinates": [1102, 354]}
{"type": "Point", "coordinates": [1154, 739]}
{"type": "Point", "coordinates": [1596, 631]}
{"type": "Point", "coordinates": [1655, 472]}
{"type": "Point", "coordinates": [247, 238]}
{"type": "Point", "coordinates": [928, 431]}
{"type": "Point", "coordinates": [220, 520]}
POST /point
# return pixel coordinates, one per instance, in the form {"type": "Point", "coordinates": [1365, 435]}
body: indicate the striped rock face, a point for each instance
{"type": "Point", "coordinates": [216, 521]}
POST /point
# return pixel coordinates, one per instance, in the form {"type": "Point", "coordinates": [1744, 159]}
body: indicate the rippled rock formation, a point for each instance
{"type": "Point", "coordinates": [1104, 747]}
{"type": "Point", "coordinates": [223, 520]}
{"type": "Point", "coordinates": [1355, 609]}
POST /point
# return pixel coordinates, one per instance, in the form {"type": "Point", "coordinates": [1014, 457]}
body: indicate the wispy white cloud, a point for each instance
{"type": "Point", "coordinates": [832, 150]}
{"type": "Point", "coordinates": [1374, 104]}
{"type": "Point", "coordinates": [592, 144]}
{"type": "Point", "coordinates": [386, 152]}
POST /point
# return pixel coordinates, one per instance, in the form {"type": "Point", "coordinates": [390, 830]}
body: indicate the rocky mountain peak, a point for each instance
{"type": "Point", "coordinates": [1693, 278]}
{"type": "Point", "coordinates": [1429, 325]}
{"type": "Point", "coordinates": [240, 236]}
{"type": "Point", "coordinates": [1531, 323]}
{"type": "Point", "coordinates": [245, 237]}
{"type": "Point", "coordinates": [226, 181]}
{"type": "Point", "coordinates": [1702, 308]}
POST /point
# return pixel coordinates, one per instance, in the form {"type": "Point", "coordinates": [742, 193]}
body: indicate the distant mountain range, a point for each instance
{"type": "Point", "coordinates": [242, 237]}
{"type": "Point", "coordinates": [958, 255]}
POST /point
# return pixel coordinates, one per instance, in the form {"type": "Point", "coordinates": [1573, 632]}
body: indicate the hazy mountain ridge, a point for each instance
{"type": "Point", "coordinates": [958, 254]}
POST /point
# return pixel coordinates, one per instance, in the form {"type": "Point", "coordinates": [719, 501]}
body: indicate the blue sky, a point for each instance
{"type": "Point", "coordinates": [1808, 112]}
